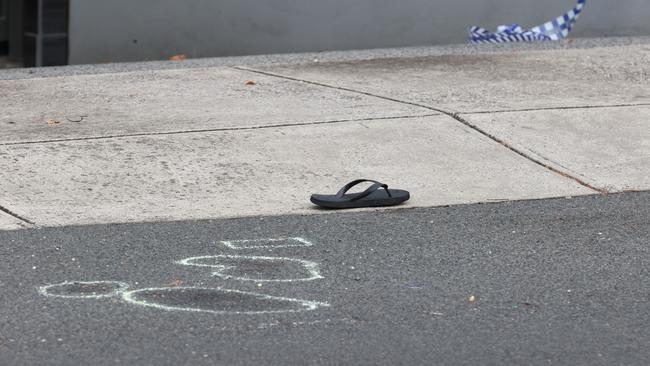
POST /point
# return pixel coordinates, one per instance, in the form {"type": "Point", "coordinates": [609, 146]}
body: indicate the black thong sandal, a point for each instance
{"type": "Point", "coordinates": [373, 196]}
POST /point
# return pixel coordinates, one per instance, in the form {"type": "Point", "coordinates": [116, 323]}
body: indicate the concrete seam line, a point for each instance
{"type": "Point", "coordinates": [527, 156]}
{"type": "Point", "coordinates": [558, 164]}
{"type": "Point", "coordinates": [225, 129]}
{"type": "Point", "coordinates": [17, 216]}
{"type": "Point", "coordinates": [557, 108]}
{"type": "Point", "coordinates": [455, 116]}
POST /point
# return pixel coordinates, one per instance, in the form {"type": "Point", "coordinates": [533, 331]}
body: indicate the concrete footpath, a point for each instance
{"type": "Point", "coordinates": [93, 145]}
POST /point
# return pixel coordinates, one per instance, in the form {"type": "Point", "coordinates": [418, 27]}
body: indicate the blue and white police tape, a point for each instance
{"type": "Point", "coordinates": [554, 30]}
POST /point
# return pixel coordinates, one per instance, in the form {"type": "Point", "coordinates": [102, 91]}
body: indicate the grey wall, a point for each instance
{"type": "Point", "coordinates": [131, 30]}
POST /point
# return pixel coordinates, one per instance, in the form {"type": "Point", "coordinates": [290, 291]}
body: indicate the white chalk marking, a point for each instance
{"type": "Point", "coordinates": [301, 323]}
{"type": "Point", "coordinates": [129, 297]}
{"type": "Point", "coordinates": [311, 267]}
{"type": "Point", "coordinates": [267, 243]}
{"type": "Point", "coordinates": [121, 287]}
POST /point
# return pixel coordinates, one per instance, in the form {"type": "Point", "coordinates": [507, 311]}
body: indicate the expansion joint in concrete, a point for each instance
{"type": "Point", "coordinates": [624, 105]}
{"type": "Point", "coordinates": [454, 115]}
{"type": "Point", "coordinates": [458, 118]}
{"type": "Point", "coordinates": [224, 129]}
{"type": "Point", "coordinates": [17, 216]}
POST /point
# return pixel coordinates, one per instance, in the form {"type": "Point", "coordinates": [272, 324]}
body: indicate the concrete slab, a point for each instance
{"type": "Point", "coordinates": [8, 222]}
{"type": "Point", "coordinates": [263, 171]}
{"type": "Point", "coordinates": [495, 81]}
{"type": "Point", "coordinates": [172, 100]}
{"type": "Point", "coordinates": [607, 147]}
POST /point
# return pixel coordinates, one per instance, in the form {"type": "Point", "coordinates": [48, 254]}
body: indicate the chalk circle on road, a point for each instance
{"type": "Point", "coordinates": [255, 268]}
{"type": "Point", "coordinates": [216, 301]}
{"type": "Point", "coordinates": [84, 289]}
{"type": "Point", "coordinates": [269, 243]}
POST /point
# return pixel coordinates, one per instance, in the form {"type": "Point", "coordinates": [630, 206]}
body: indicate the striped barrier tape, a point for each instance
{"type": "Point", "coordinates": [554, 30]}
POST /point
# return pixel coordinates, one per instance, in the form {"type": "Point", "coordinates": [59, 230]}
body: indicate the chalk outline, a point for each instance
{"type": "Point", "coordinates": [128, 297]}
{"type": "Point", "coordinates": [121, 288]}
{"type": "Point", "coordinates": [311, 267]}
{"type": "Point", "coordinates": [301, 243]}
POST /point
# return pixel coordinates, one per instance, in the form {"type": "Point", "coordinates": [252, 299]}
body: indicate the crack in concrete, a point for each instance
{"type": "Point", "coordinates": [224, 129]}
{"type": "Point", "coordinates": [17, 216]}
{"type": "Point", "coordinates": [454, 115]}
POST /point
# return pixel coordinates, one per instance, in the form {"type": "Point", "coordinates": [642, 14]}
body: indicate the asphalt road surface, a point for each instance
{"type": "Point", "coordinates": [561, 282]}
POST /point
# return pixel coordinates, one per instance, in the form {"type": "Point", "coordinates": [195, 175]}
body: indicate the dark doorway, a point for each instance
{"type": "Point", "coordinates": [4, 27]}
{"type": "Point", "coordinates": [45, 32]}
{"type": "Point", "coordinates": [34, 32]}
